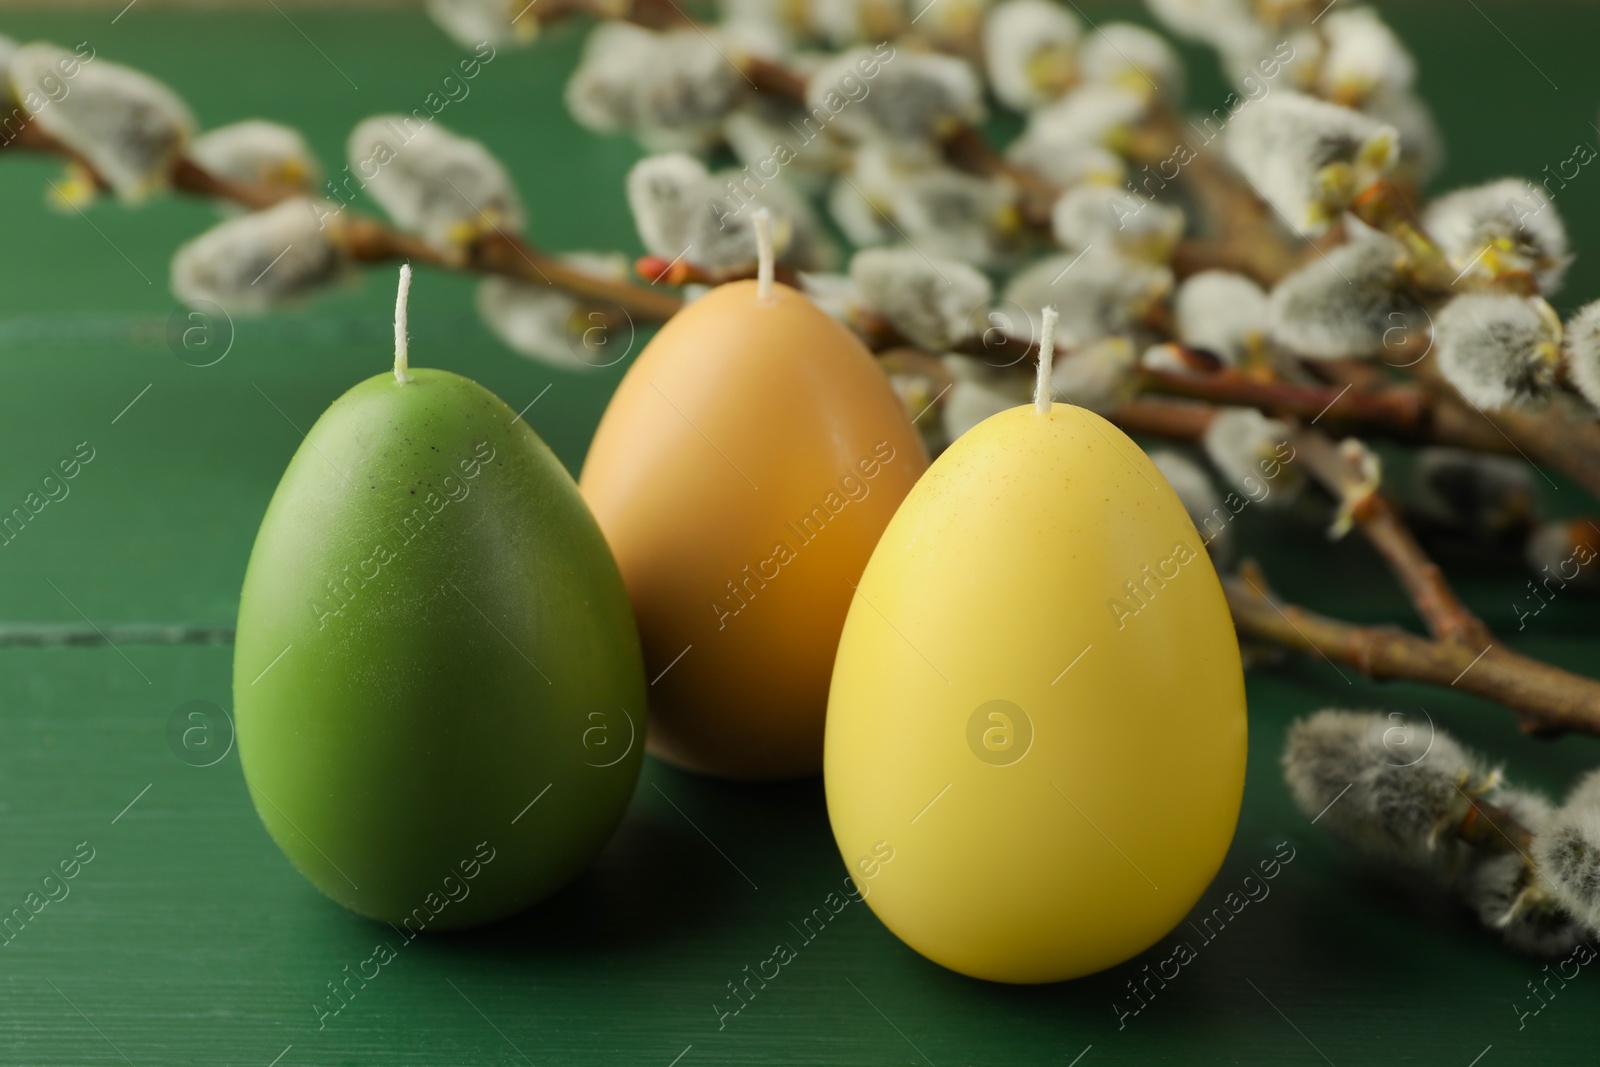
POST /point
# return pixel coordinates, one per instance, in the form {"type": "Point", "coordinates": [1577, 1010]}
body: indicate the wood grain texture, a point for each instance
{"type": "Point", "coordinates": [188, 939]}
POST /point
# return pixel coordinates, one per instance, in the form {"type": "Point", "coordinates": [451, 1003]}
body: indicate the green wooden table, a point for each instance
{"type": "Point", "coordinates": [187, 938]}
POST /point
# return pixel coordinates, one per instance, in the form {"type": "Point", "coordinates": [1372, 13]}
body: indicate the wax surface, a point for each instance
{"type": "Point", "coordinates": [742, 474]}
{"type": "Point", "coordinates": [432, 637]}
{"type": "Point", "coordinates": [1055, 764]}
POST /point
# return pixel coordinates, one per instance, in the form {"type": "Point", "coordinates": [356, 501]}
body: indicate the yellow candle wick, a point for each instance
{"type": "Point", "coordinates": [1043, 388]}
{"type": "Point", "coordinates": [402, 359]}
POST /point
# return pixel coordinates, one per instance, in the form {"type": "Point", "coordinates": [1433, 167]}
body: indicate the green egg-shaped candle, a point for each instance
{"type": "Point", "coordinates": [438, 686]}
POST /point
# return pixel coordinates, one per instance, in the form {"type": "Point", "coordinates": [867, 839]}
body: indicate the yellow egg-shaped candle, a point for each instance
{"type": "Point", "coordinates": [742, 474]}
{"type": "Point", "coordinates": [1036, 734]}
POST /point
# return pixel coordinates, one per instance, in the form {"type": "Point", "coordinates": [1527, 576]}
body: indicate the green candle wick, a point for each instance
{"type": "Point", "coordinates": [402, 358]}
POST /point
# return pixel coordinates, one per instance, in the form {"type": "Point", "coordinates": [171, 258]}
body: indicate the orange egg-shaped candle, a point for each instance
{"type": "Point", "coordinates": [742, 474]}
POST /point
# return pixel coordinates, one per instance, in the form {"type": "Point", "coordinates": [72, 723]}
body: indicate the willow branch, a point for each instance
{"type": "Point", "coordinates": [967, 149]}
{"type": "Point", "coordinates": [1571, 447]}
{"type": "Point", "coordinates": [1448, 619]}
{"type": "Point", "coordinates": [996, 347]}
{"type": "Point", "coordinates": [1172, 420]}
{"type": "Point", "coordinates": [1245, 236]}
{"type": "Point", "coordinates": [1546, 436]}
{"type": "Point", "coordinates": [1383, 207]}
{"type": "Point", "coordinates": [370, 240]}
{"type": "Point", "coordinates": [1491, 827]}
{"type": "Point", "coordinates": [1547, 700]}
{"type": "Point", "coordinates": [1403, 413]}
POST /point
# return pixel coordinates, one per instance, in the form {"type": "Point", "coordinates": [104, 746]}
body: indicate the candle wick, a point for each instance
{"type": "Point", "coordinates": [765, 259]}
{"type": "Point", "coordinates": [1043, 388]}
{"type": "Point", "coordinates": [402, 356]}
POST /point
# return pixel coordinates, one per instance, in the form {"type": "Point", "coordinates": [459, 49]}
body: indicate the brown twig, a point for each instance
{"type": "Point", "coordinates": [369, 240]}
{"type": "Point", "coordinates": [1462, 652]}
{"type": "Point", "coordinates": [191, 178]}
{"type": "Point", "coordinates": [1571, 447]}
{"type": "Point", "coordinates": [1244, 234]}
{"type": "Point", "coordinates": [967, 149]}
{"type": "Point", "coordinates": [772, 78]}
{"type": "Point", "coordinates": [1174, 420]}
{"type": "Point", "coordinates": [1546, 435]}
{"type": "Point", "coordinates": [1546, 699]}
{"type": "Point", "coordinates": [996, 347]}
{"type": "Point", "coordinates": [1383, 207]}
{"type": "Point", "coordinates": [1489, 826]}
{"type": "Point", "coordinates": [1398, 412]}
{"type": "Point", "coordinates": [1448, 619]}
{"type": "Point", "coordinates": [658, 14]}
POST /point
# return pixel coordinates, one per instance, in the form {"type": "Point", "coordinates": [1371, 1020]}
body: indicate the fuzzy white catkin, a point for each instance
{"type": "Point", "coordinates": [1248, 450]}
{"type": "Point", "coordinates": [1199, 498]}
{"type": "Point", "coordinates": [798, 235]}
{"type": "Point", "coordinates": [912, 97]}
{"type": "Point", "coordinates": [1098, 292]}
{"type": "Point", "coordinates": [1122, 54]}
{"type": "Point", "coordinates": [1259, 61]}
{"type": "Point", "coordinates": [1093, 214]}
{"type": "Point", "coordinates": [1363, 55]}
{"type": "Point", "coordinates": [684, 212]}
{"type": "Point", "coordinates": [1582, 352]}
{"type": "Point", "coordinates": [546, 324]}
{"type": "Point", "coordinates": [1212, 22]}
{"type": "Point", "coordinates": [1223, 313]}
{"type": "Point", "coordinates": [952, 24]}
{"type": "Point", "coordinates": [969, 403]}
{"type": "Point", "coordinates": [1392, 787]}
{"type": "Point", "coordinates": [950, 213]}
{"type": "Point", "coordinates": [1484, 498]}
{"type": "Point", "coordinates": [1019, 38]}
{"type": "Point", "coordinates": [256, 150]}
{"type": "Point", "coordinates": [1510, 224]}
{"type": "Point", "coordinates": [919, 393]}
{"type": "Point", "coordinates": [766, 38]}
{"type": "Point", "coordinates": [784, 21]}
{"type": "Point", "coordinates": [1421, 142]}
{"type": "Point", "coordinates": [1065, 161]}
{"type": "Point", "coordinates": [1498, 350]}
{"type": "Point", "coordinates": [861, 199]}
{"type": "Point", "coordinates": [1568, 851]}
{"type": "Point", "coordinates": [1513, 898]}
{"type": "Point", "coordinates": [1090, 114]}
{"type": "Point", "coordinates": [1399, 790]}
{"type": "Point", "coordinates": [844, 22]}
{"type": "Point", "coordinates": [8, 48]}
{"type": "Point", "coordinates": [766, 146]}
{"type": "Point", "coordinates": [859, 217]}
{"type": "Point", "coordinates": [535, 321]}
{"type": "Point", "coordinates": [679, 84]}
{"type": "Point", "coordinates": [1563, 552]}
{"type": "Point", "coordinates": [1355, 301]}
{"type": "Point", "coordinates": [496, 22]}
{"type": "Point", "coordinates": [128, 126]}
{"type": "Point", "coordinates": [1285, 143]}
{"type": "Point", "coordinates": [603, 87]}
{"type": "Point", "coordinates": [692, 84]}
{"type": "Point", "coordinates": [1098, 376]}
{"type": "Point", "coordinates": [664, 192]}
{"type": "Point", "coordinates": [881, 166]}
{"type": "Point", "coordinates": [432, 182]}
{"type": "Point", "coordinates": [256, 262]}
{"type": "Point", "coordinates": [935, 303]}
{"type": "Point", "coordinates": [835, 294]}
